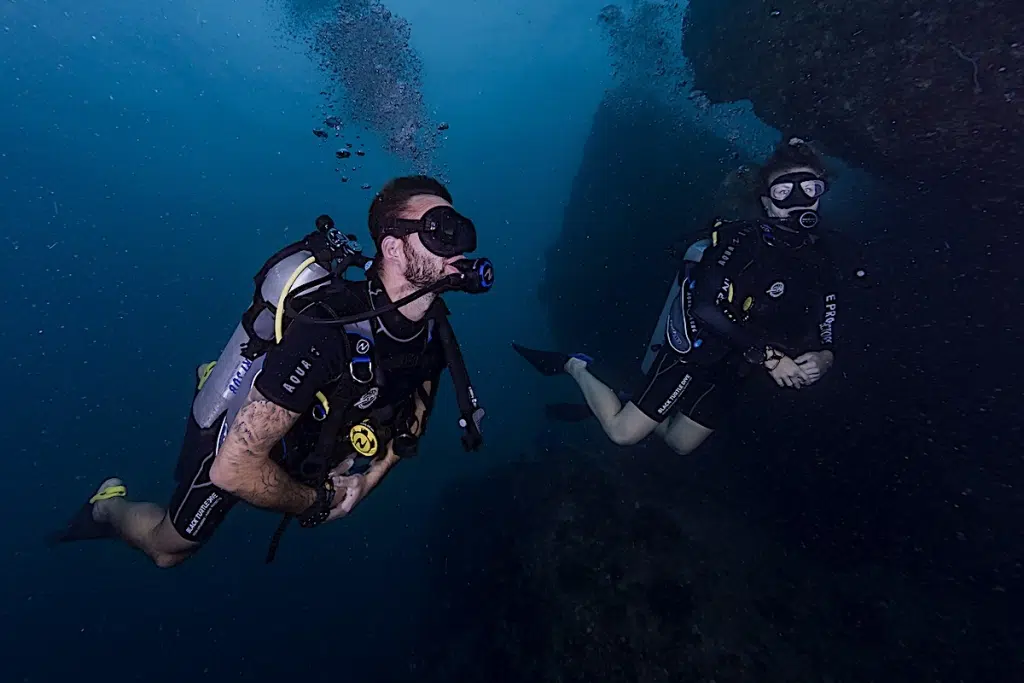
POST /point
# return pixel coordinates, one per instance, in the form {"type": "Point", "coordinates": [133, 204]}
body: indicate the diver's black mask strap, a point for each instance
{"type": "Point", "coordinates": [470, 412]}
{"type": "Point", "coordinates": [443, 231]}
{"type": "Point", "coordinates": [475, 276]}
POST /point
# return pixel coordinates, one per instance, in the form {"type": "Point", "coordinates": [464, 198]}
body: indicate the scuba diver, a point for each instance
{"type": "Point", "coordinates": [325, 385]}
{"type": "Point", "coordinates": [759, 292]}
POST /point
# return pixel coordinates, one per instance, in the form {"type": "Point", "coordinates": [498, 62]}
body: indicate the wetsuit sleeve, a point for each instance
{"type": "Point", "coordinates": [721, 266]}
{"type": "Point", "coordinates": [306, 360]}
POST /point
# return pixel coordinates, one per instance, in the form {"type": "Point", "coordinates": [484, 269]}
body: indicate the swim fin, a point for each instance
{"type": "Point", "coordinates": [82, 526]}
{"type": "Point", "coordinates": [548, 363]}
{"type": "Point", "coordinates": [567, 412]}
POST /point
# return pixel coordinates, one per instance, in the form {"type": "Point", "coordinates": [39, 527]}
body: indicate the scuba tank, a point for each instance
{"type": "Point", "coordinates": [227, 383]}
{"type": "Point", "coordinates": [673, 301]}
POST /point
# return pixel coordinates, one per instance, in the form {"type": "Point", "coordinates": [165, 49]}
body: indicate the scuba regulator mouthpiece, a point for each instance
{"type": "Point", "coordinates": [804, 219]}
{"type": "Point", "coordinates": [475, 276]}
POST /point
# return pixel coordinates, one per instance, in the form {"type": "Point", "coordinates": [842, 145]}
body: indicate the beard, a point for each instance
{"type": "Point", "coordinates": [422, 270]}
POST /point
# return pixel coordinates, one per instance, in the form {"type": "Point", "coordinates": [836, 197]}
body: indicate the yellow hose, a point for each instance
{"type": "Point", "coordinates": [279, 316]}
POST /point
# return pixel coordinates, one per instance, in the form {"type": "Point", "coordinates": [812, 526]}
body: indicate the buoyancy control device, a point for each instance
{"type": "Point", "coordinates": [302, 268]}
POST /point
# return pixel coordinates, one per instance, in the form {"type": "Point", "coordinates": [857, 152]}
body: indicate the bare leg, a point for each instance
{"type": "Point", "coordinates": [682, 434]}
{"type": "Point", "coordinates": [144, 526]}
{"type": "Point", "coordinates": [624, 425]}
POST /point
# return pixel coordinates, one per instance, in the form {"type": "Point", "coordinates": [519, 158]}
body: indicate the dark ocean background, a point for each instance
{"type": "Point", "coordinates": [154, 154]}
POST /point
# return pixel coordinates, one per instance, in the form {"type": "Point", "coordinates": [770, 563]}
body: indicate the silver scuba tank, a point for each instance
{"type": "Point", "coordinates": [693, 255]}
{"type": "Point", "coordinates": [229, 382]}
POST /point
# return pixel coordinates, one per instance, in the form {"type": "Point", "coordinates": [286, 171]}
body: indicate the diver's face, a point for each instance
{"type": "Point", "coordinates": [422, 268]}
{"type": "Point", "coordinates": [418, 265]}
{"type": "Point", "coordinates": [793, 190]}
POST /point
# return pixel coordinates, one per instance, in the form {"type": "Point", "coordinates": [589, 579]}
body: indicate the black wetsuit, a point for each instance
{"type": "Point", "coordinates": [312, 358]}
{"type": "Point", "coordinates": [757, 285]}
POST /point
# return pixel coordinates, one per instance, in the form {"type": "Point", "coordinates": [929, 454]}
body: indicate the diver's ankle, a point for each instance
{"type": "Point", "coordinates": [101, 509]}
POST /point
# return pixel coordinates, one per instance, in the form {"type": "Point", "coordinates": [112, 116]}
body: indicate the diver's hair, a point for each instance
{"type": "Point", "coordinates": [394, 197]}
{"type": "Point", "coordinates": [790, 153]}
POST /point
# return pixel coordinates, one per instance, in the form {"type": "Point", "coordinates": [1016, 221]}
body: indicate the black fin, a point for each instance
{"type": "Point", "coordinates": [547, 363]}
{"type": "Point", "coordinates": [82, 527]}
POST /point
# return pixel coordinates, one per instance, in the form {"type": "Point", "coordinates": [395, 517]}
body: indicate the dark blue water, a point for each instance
{"type": "Point", "coordinates": [153, 156]}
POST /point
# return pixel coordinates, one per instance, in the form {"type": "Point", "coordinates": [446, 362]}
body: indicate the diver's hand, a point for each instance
{"type": "Point", "coordinates": [815, 364]}
{"type": "Point", "coordinates": [786, 372]}
{"type": "Point", "coordinates": [349, 490]}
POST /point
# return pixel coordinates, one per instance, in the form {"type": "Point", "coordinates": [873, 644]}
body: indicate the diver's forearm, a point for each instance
{"type": "Point", "coordinates": [603, 401]}
{"type": "Point", "coordinates": [377, 470]}
{"type": "Point", "coordinates": [267, 486]}
{"type": "Point", "coordinates": [243, 466]}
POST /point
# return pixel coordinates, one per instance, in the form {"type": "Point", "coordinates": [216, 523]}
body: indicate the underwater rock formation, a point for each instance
{"type": "Point", "coordinates": [582, 569]}
{"type": "Point", "coordinates": [930, 92]}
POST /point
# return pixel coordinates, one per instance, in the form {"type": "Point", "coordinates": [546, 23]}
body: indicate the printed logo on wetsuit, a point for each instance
{"type": "Point", "coordinates": [725, 291]}
{"type": "Point", "coordinates": [298, 375]}
{"type": "Point", "coordinates": [362, 346]}
{"type": "Point", "coordinates": [202, 513]}
{"type": "Point", "coordinates": [727, 254]}
{"type": "Point", "coordinates": [674, 396]}
{"type": "Point", "coordinates": [830, 319]}
{"type": "Point", "coordinates": [776, 290]}
{"type": "Point", "coordinates": [367, 399]}
{"type": "Point", "coordinates": [690, 320]}
{"type": "Point", "coordinates": [363, 439]}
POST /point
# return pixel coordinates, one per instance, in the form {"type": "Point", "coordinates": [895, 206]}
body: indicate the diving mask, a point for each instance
{"type": "Point", "coordinates": [791, 190]}
{"type": "Point", "coordinates": [443, 231]}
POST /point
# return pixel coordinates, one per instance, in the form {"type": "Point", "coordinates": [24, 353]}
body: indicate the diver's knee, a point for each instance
{"type": "Point", "coordinates": [685, 444]}
{"type": "Point", "coordinates": [678, 448]}
{"type": "Point", "coordinates": [169, 560]}
{"type": "Point", "coordinates": [167, 547]}
{"type": "Point", "coordinates": [624, 437]}
{"type": "Point", "coordinates": [166, 560]}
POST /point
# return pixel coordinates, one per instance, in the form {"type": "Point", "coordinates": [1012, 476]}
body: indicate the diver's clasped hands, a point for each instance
{"type": "Point", "coordinates": [815, 364]}
{"type": "Point", "coordinates": [804, 371]}
{"type": "Point", "coordinates": [784, 370]}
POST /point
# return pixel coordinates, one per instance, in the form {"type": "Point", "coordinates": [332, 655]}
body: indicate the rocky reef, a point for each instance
{"type": "Point", "coordinates": [585, 568]}
{"type": "Point", "coordinates": [927, 92]}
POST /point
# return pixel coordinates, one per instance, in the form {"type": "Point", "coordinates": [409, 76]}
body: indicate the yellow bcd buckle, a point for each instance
{"type": "Point", "coordinates": [363, 439]}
